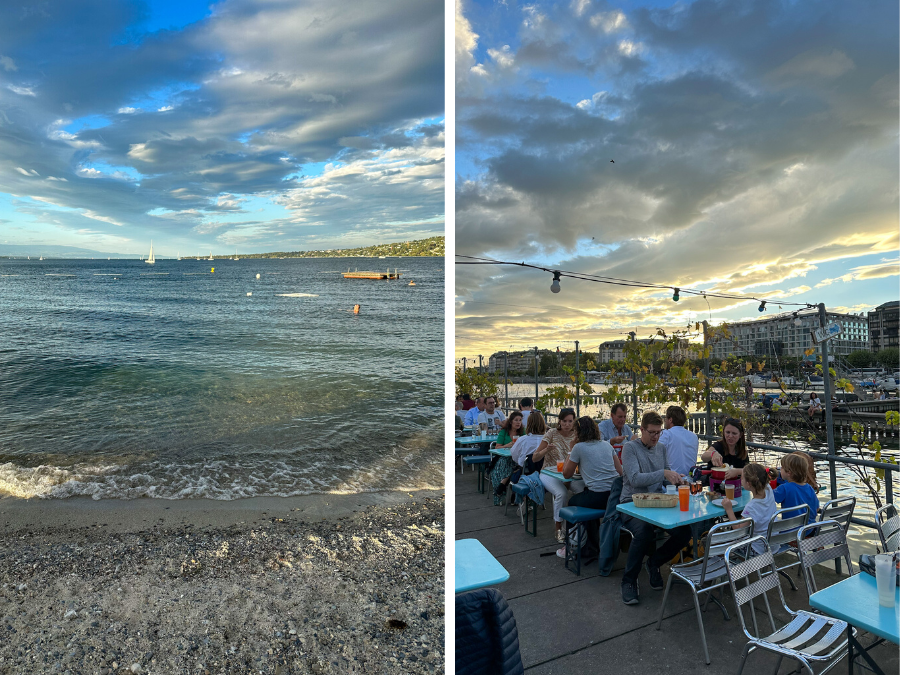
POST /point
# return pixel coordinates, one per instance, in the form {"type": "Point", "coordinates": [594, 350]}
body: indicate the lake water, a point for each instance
{"type": "Point", "coordinates": [120, 379]}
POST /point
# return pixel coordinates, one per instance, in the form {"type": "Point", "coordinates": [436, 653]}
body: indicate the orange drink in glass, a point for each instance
{"type": "Point", "coordinates": [684, 497]}
{"type": "Point", "coordinates": [729, 491]}
{"type": "Point", "coordinates": [559, 466]}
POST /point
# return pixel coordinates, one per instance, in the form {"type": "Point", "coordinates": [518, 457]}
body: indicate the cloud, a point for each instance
{"type": "Point", "coordinates": [7, 63]}
{"type": "Point", "coordinates": [137, 128]}
{"type": "Point", "coordinates": [753, 147]}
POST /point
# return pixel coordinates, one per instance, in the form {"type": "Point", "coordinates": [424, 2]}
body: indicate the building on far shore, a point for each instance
{"type": "Point", "coordinates": [884, 321]}
{"type": "Point", "coordinates": [779, 335]}
{"type": "Point", "coordinates": [614, 350]}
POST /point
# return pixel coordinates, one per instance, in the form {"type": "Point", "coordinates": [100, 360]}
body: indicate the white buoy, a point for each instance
{"type": "Point", "coordinates": [257, 275]}
{"type": "Point", "coordinates": [249, 294]}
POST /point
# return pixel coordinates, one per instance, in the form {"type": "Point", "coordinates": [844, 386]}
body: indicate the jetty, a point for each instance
{"type": "Point", "coordinates": [372, 275]}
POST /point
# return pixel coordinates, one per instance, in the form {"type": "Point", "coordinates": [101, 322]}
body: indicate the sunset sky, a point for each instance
{"type": "Point", "coordinates": [755, 148]}
{"type": "Point", "coordinates": [251, 124]}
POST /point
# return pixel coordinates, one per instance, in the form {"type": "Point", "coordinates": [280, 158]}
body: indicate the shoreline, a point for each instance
{"type": "Point", "coordinates": [309, 584]}
{"type": "Point", "coordinates": [131, 515]}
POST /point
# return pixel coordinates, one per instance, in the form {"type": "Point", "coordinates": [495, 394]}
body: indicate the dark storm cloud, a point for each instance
{"type": "Point", "coordinates": [236, 104]}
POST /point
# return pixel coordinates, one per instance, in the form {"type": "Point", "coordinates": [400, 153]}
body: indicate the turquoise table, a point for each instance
{"type": "Point", "coordinates": [501, 452]}
{"type": "Point", "coordinates": [700, 509]}
{"type": "Point", "coordinates": [855, 600]}
{"type": "Point", "coordinates": [476, 567]}
{"type": "Point", "coordinates": [556, 474]}
{"type": "Point", "coordinates": [474, 440]}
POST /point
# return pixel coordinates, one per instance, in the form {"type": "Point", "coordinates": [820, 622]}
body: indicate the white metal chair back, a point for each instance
{"type": "Point", "coordinates": [785, 523]}
{"type": "Point", "coordinates": [840, 509]}
{"type": "Point", "coordinates": [761, 564]}
{"type": "Point", "coordinates": [888, 522]}
{"type": "Point", "coordinates": [722, 536]}
{"type": "Point", "coordinates": [807, 637]}
{"type": "Point", "coordinates": [819, 542]}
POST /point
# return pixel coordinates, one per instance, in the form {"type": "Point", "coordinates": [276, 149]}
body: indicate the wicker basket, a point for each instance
{"type": "Point", "coordinates": [654, 500]}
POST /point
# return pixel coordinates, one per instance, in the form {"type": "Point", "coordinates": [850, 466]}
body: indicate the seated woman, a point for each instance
{"type": "Point", "coordinates": [815, 404]}
{"type": "Point", "coordinates": [502, 468]}
{"type": "Point", "coordinates": [555, 448]}
{"type": "Point", "coordinates": [731, 449]}
{"type": "Point", "coordinates": [523, 449]}
{"type": "Point", "coordinates": [598, 465]}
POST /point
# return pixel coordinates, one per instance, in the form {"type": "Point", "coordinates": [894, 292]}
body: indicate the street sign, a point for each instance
{"type": "Point", "coordinates": [826, 333]}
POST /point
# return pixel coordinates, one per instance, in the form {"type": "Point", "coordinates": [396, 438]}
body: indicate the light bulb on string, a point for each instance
{"type": "Point", "coordinates": [762, 306]}
{"type": "Point", "coordinates": [797, 320]}
{"type": "Point", "coordinates": [675, 295]}
{"type": "Point", "coordinates": [554, 287]}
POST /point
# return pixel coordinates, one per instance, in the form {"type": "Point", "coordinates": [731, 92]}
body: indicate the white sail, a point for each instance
{"type": "Point", "coordinates": [151, 259]}
{"type": "Point", "coordinates": [210, 256]}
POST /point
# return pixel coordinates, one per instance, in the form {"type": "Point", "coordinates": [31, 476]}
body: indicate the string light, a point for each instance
{"type": "Point", "coordinates": [675, 295]}
{"type": "Point", "coordinates": [797, 320]}
{"type": "Point", "coordinates": [614, 281]}
{"type": "Point", "coordinates": [762, 305]}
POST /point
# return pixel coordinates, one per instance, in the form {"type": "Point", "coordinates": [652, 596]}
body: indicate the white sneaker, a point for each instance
{"type": "Point", "coordinates": [561, 553]}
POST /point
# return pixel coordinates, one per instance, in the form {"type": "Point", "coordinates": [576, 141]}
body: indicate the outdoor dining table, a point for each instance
{"type": "Point", "coordinates": [472, 445]}
{"type": "Point", "coordinates": [501, 452]}
{"type": "Point", "coordinates": [699, 510]}
{"type": "Point", "coordinates": [475, 440]}
{"type": "Point", "coordinates": [855, 600]}
{"type": "Point", "coordinates": [556, 474]}
{"type": "Point", "coordinates": [476, 567]}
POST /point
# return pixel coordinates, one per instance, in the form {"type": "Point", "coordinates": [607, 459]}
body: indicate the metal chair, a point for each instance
{"type": "Point", "coordinates": [708, 573]}
{"type": "Point", "coordinates": [888, 522]}
{"type": "Point", "coordinates": [825, 540]}
{"type": "Point", "coordinates": [808, 638]}
{"type": "Point", "coordinates": [782, 530]}
{"type": "Point", "coordinates": [840, 510]}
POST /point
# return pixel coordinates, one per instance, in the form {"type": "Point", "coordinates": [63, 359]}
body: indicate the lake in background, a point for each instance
{"type": "Point", "coordinates": [120, 379]}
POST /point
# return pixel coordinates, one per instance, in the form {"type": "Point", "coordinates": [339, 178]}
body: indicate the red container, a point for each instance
{"type": "Point", "coordinates": [773, 484]}
{"type": "Point", "coordinates": [684, 497]}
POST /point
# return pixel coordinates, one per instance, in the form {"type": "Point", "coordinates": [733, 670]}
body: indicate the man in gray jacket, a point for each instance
{"type": "Point", "coordinates": [645, 469]}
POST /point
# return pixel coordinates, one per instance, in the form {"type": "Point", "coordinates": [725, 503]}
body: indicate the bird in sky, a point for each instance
{"type": "Point", "coordinates": [612, 161]}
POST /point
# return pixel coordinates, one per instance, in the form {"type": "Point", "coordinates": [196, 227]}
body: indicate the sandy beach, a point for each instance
{"type": "Point", "coordinates": [313, 584]}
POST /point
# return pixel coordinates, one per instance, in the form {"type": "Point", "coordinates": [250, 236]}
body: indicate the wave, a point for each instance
{"type": "Point", "coordinates": [297, 295]}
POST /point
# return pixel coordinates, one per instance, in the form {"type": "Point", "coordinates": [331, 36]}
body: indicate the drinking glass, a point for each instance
{"type": "Point", "coordinates": [559, 466]}
{"type": "Point", "coordinates": [729, 491]}
{"type": "Point", "coordinates": [884, 578]}
{"type": "Point", "coordinates": [684, 497]}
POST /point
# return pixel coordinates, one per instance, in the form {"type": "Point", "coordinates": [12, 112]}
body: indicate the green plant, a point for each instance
{"type": "Point", "coordinates": [563, 392]}
{"type": "Point", "coordinates": [475, 383]}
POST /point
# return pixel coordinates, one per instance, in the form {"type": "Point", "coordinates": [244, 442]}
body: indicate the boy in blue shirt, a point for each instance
{"type": "Point", "coordinates": [795, 491]}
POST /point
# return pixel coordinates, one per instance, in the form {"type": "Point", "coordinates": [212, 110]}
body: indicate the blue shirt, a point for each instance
{"type": "Point", "coordinates": [792, 494]}
{"type": "Point", "coordinates": [472, 416]}
{"type": "Point", "coordinates": [608, 429]}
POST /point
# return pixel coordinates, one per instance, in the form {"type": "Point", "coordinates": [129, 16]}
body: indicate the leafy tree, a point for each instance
{"type": "Point", "coordinates": [476, 383]}
{"type": "Point", "coordinates": [860, 358]}
{"type": "Point", "coordinates": [889, 358]}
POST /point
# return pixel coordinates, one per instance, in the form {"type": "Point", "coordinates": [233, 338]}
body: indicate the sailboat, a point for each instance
{"type": "Point", "coordinates": [210, 256]}
{"type": "Point", "coordinates": [151, 260]}
{"type": "Point", "coordinates": [235, 255]}
{"type": "Point", "coordinates": [41, 258]}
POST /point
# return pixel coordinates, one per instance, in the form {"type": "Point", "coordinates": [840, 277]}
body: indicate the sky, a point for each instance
{"type": "Point", "coordinates": [255, 125]}
{"type": "Point", "coordinates": [754, 149]}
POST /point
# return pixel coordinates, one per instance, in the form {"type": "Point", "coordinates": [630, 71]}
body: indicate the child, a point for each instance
{"type": "Point", "coordinates": [795, 491]}
{"type": "Point", "coordinates": [761, 508]}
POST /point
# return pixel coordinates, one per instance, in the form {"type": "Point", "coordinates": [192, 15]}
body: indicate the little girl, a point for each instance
{"type": "Point", "coordinates": [761, 508]}
{"type": "Point", "coordinates": [795, 491]}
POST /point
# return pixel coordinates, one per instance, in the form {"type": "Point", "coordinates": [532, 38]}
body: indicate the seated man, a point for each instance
{"type": "Point", "coordinates": [526, 405]}
{"type": "Point", "coordinates": [645, 469]}
{"type": "Point", "coordinates": [491, 415]}
{"type": "Point", "coordinates": [681, 443]}
{"type": "Point", "coordinates": [614, 430]}
{"type": "Point", "coordinates": [473, 413]}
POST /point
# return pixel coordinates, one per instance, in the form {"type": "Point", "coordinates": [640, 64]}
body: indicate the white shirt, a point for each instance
{"type": "Point", "coordinates": [524, 447]}
{"type": "Point", "coordinates": [525, 414]}
{"type": "Point", "coordinates": [681, 446]}
{"type": "Point", "coordinates": [496, 416]}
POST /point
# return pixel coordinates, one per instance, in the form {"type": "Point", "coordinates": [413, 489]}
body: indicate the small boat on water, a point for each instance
{"type": "Point", "coordinates": [151, 260]}
{"type": "Point", "coordinates": [210, 256]}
